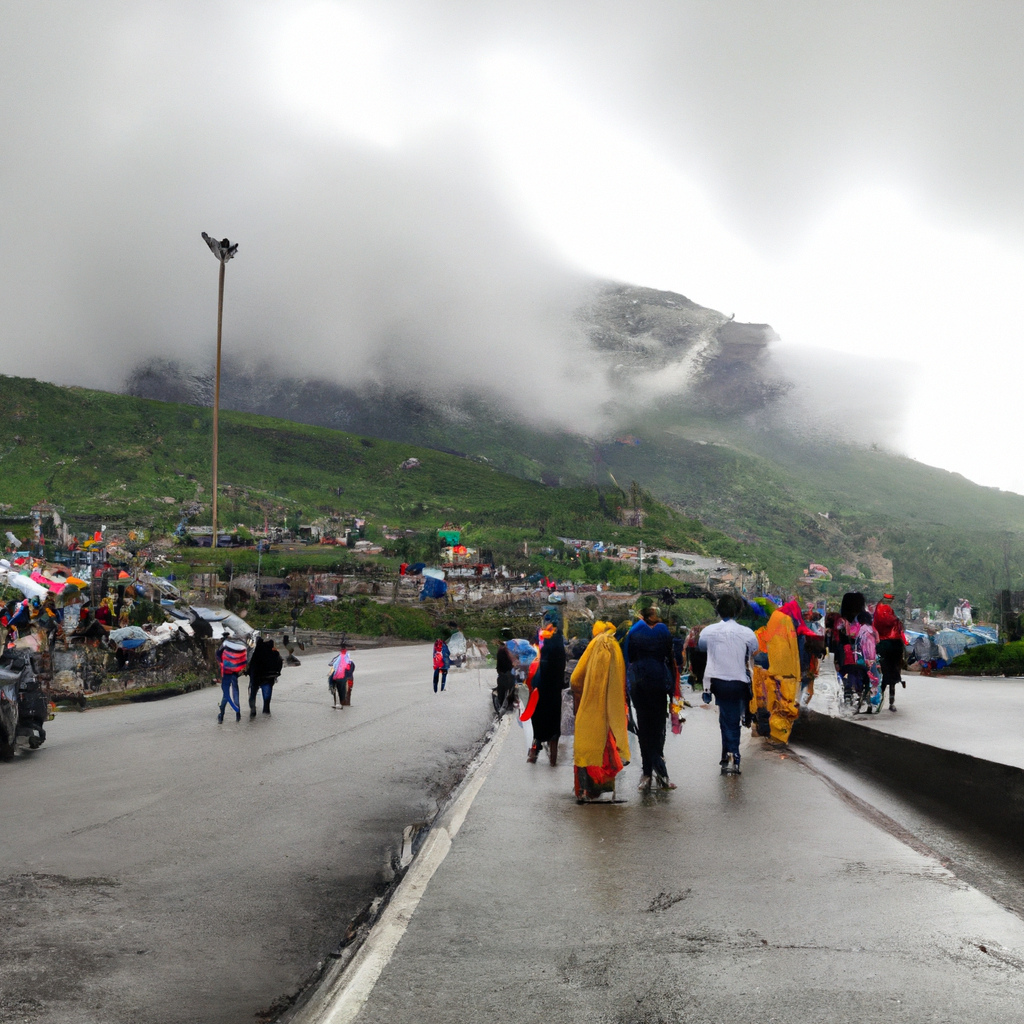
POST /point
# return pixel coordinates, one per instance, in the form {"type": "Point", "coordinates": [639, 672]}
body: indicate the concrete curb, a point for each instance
{"type": "Point", "coordinates": [342, 993]}
{"type": "Point", "coordinates": [988, 793]}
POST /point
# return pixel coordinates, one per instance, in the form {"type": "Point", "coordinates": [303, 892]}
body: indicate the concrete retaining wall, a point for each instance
{"type": "Point", "coordinates": [987, 793]}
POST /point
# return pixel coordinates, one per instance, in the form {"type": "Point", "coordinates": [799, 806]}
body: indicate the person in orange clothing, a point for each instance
{"type": "Point", "coordinates": [601, 744]}
{"type": "Point", "coordinates": [776, 674]}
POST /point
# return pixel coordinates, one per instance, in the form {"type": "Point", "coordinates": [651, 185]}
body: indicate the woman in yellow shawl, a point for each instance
{"type": "Point", "coordinates": [777, 683]}
{"type": "Point", "coordinates": [601, 745]}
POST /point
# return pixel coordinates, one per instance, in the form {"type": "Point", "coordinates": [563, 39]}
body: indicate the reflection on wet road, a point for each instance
{"type": "Point", "coordinates": [158, 867]}
{"type": "Point", "coordinates": [763, 897]}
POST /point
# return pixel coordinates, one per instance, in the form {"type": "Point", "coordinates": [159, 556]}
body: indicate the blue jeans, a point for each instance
{"type": "Point", "coordinates": [443, 673]}
{"type": "Point", "coordinates": [732, 697]}
{"type": "Point", "coordinates": [730, 717]}
{"type": "Point", "coordinates": [229, 691]}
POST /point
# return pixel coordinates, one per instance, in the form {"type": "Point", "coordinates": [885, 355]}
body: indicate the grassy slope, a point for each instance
{"type": "Point", "coordinates": [758, 493]}
{"type": "Point", "coordinates": [115, 457]}
{"type": "Point", "coordinates": [947, 537]}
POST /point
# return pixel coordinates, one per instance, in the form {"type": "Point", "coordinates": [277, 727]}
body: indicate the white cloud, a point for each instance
{"type": "Point", "coordinates": [418, 143]}
{"type": "Point", "coordinates": [876, 275]}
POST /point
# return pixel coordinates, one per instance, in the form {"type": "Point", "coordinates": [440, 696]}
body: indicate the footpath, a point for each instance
{"type": "Point", "coordinates": [976, 715]}
{"type": "Point", "coordinates": [763, 897]}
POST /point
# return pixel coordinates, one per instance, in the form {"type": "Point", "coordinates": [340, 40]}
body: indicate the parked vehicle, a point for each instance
{"type": "Point", "coordinates": [25, 706]}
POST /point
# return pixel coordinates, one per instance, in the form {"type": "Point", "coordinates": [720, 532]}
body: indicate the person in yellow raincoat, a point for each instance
{"type": "Point", "coordinates": [776, 678]}
{"type": "Point", "coordinates": [601, 745]}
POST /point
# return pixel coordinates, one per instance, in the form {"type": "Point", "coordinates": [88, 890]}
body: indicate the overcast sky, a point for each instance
{"type": "Point", "coordinates": [400, 173]}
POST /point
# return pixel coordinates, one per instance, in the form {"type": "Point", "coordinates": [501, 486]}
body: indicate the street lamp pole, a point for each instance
{"type": "Point", "coordinates": [223, 250]}
{"type": "Point", "coordinates": [216, 399]}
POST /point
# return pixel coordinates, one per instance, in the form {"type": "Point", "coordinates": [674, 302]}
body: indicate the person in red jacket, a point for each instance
{"type": "Point", "coordinates": [442, 662]}
{"type": "Point", "coordinates": [892, 643]}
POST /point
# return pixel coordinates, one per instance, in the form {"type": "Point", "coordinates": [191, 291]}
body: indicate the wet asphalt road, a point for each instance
{"type": "Point", "coordinates": [159, 867]}
{"type": "Point", "coordinates": [762, 898]}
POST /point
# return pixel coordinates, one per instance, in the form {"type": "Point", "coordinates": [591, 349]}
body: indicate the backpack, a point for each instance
{"type": "Point", "coordinates": [866, 646]}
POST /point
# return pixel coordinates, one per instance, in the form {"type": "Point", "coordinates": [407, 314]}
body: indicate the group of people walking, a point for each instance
{"type": "Point", "coordinates": [869, 648]}
{"type": "Point", "coordinates": [263, 669]}
{"type": "Point", "coordinates": [757, 679]}
{"type": "Point", "coordinates": [634, 686]}
{"type": "Point", "coordinates": [607, 679]}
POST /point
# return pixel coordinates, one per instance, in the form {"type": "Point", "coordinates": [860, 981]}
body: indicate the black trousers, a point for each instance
{"type": "Point", "coordinates": [854, 679]}
{"type": "Point", "coordinates": [506, 686]}
{"type": "Point", "coordinates": [651, 717]}
{"type": "Point", "coordinates": [890, 679]}
{"type": "Point", "coordinates": [891, 672]}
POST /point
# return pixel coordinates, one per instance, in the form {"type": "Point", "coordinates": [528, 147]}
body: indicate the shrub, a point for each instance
{"type": "Point", "coordinates": [989, 660]}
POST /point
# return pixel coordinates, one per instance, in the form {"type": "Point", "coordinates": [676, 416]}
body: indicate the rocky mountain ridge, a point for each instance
{"type": "Point", "coordinates": [649, 344]}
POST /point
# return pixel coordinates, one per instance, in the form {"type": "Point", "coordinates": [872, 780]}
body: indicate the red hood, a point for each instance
{"type": "Point", "coordinates": [886, 624]}
{"type": "Point", "coordinates": [795, 612]}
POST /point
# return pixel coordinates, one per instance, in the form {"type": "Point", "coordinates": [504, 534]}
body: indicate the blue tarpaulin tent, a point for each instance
{"type": "Point", "coordinates": [433, 588]}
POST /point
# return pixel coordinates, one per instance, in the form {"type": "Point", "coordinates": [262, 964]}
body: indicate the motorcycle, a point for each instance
{"type": "Point", "coordinates": [24, 705]}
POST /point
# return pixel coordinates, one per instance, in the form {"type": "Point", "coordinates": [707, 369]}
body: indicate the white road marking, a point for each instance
{"type": "Point", "coordinates": [341, 1001]}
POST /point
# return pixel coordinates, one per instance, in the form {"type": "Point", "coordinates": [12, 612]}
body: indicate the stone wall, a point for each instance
{"type": "Point", "coordinates": [96, 670]}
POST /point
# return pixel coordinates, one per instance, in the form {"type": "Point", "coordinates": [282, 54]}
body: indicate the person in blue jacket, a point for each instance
{"type": "Point", "coordinates": [648, 652]}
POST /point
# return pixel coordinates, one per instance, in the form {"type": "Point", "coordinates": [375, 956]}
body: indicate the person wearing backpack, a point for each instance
{"type": "Point", "coordinates": [892, 644]}
{"type": "Point", "coordinates": [844, 645]}
{"type": "Point", "coordinates": [867, 662]}
{"type": "Point", "coordinates": [341, 678]}
{"type": "Point", "coordinates": [232, 656]}
{"type": "Point", "coordinates": [442, 662]}
{"type": "Point", "coordinates": [504, 691]}
{"type": "Point", "coordinates": [264, 667]}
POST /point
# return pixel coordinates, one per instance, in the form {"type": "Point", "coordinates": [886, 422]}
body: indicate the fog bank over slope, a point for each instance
{"type": "Point", "coordinates": [622, 358]}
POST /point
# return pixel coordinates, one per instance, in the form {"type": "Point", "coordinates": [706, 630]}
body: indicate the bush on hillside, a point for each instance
{"type": "Point", "coordinates": [989, 660]}
{"type": "Point", "coordinates": [360, 616]}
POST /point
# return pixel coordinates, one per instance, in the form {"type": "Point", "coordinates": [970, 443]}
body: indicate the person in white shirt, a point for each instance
{"type": "Point", "coordinates": [729, 647]}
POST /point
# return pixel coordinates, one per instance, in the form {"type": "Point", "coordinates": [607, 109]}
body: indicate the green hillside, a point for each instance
{"type": "Point", "coordinates": [766, 498]}
{"type": "Point", "coordinates": [770, 491]}
{"type": "Point", "coordinates": [840, 505]}
{"type": "Point", "coordinates": [716, 447]}
{"type": "Point", "coordinates": [101, 456]}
